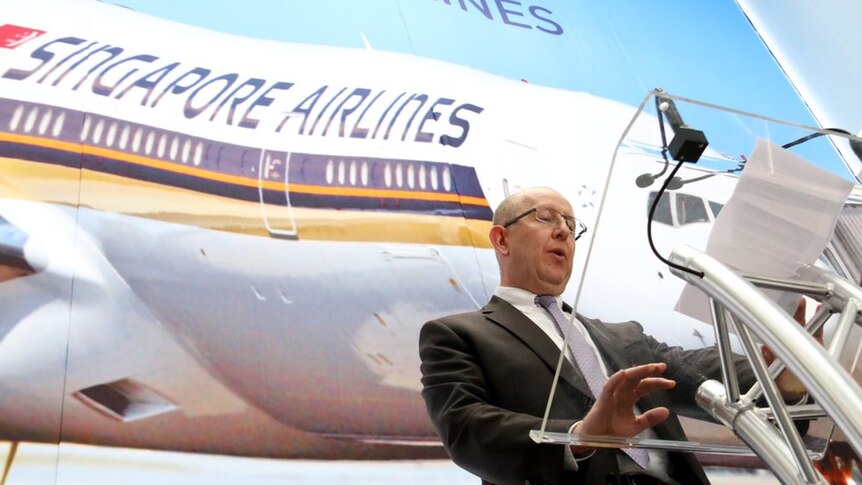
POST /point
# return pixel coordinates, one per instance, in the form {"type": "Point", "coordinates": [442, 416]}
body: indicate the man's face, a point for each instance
{"type": "Point", "coordinates": [540, 254]}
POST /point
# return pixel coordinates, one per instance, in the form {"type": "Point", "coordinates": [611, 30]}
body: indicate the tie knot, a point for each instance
{"type": "Point", "coordinates": [546, 301]}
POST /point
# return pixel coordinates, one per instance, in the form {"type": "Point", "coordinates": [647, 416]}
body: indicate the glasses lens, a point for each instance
{"type": "Point", "coordinates": [550, 216]}
{"type": "Point", "coordinates": [546, 216]}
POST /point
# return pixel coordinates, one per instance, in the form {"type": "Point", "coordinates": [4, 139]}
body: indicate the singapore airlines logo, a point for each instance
{"type": "Point", "coordinates": [11, 36]}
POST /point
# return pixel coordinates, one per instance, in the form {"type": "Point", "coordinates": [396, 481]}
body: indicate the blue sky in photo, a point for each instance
{"type": "Point", "coordinates": [703, 50]}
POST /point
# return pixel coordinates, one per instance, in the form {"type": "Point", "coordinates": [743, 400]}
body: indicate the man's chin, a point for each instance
{"type": "Point", "coordinates": [554, 288]}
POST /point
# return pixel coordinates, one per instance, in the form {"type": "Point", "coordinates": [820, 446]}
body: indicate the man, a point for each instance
{"type": "Point", "coordinates": [486, 374]}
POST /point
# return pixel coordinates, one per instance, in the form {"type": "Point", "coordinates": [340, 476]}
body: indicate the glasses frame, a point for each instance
{"type": "Point", "coordinates": [576, 233]}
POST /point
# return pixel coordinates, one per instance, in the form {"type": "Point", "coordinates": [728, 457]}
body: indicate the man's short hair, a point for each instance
{"type": "Point", "coordinates": [508, 209]}
{"type": "Point", "coordinates": [514, 205]}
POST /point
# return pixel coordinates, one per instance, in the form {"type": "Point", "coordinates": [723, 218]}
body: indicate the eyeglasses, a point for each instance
{"type": "Point", "coordinates": [547, 215]}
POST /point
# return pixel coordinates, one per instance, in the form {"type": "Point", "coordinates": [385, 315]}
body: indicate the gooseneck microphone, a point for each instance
{"type": "Point", "coordinates": [644, 180]}
{"type": "Point", "coordinates": [685, 149]}
{"type": "Point", "coordinates": [687, 144]}
{"type": "Point", "coordinates": [668, 107]}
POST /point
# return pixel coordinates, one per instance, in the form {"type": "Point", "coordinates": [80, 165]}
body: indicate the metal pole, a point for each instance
{"type": "Point", "coordinates": [722, 340]}
{"type": "Point", "coordinates": [833, 388]}
{"type": "Point", "coordinates": [757, 433]}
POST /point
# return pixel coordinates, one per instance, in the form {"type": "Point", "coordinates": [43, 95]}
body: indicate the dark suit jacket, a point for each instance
{"type": "Point", "coordinates": [486, 376]}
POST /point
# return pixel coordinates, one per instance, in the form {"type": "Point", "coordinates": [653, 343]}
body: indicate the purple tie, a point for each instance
{"type": "Point", "coordinates": [585, 360]}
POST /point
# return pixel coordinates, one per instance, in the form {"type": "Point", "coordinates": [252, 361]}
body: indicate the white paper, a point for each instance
{"type": "Point", "coordinates": [780, 217]}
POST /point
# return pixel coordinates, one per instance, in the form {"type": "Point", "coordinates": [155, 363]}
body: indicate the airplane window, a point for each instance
{"type": "Point", "coordinates": [411, 175]}
{"type": "Point", "coordinates": [46, 121]}
{"type": "Point", "coordinates": [151, 140]}
{"type": "Point", "coordinates": [447, 179]}
{"type": "Point", "coordinates": [341, 172]}
{"type": "Point", "coordinates": [434, 183]}
{"type": "Point", "coordinates": [399, 175]}
{"type": "Point", "coordinates": [353, 172]}
{"type": "Point", "coordinates": [58, 124]}
{"type": "Point", "coordinates": [85, 130]}
{"type": "Point", "coordinates": [16, 117]}
{"type": "Point", "coordinates": [199, 153]}
{"type": "Point", "coordinates": [716, 207]}
{"type": "Point", "coordinates": [387, 176]}
{"type": "Point", "coordinates": [363, 173]}
{"type": "Point", "coordinates": [218, 155]}
{"type": "Point", "coordinates": [31, 120]}
{"type": "Point", "coordinates": [175, 147]}
{"type": "Point", "coordinates": [124, 137]}
{"type": "Point", "coordinates": [690, 209]}
{"type": "Point", "coordinates": [187, 148]}
{"type": "Point", "coordinates": [136, 140]}
{"type": "Point", "coordinates": [330, 171]}
{"type": "Point", "coordinates": [422, 176]}
{"type": "Point", "coordinates": [112, 134]}
{"type": "Point", "coordinates": [662, 210]}
{"type": "Point", "coordinates": [163, 145]}
{"type": "Point", "coordinates": [97, 132]}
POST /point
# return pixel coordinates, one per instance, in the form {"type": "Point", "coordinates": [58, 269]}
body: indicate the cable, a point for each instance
{"type": "Point", "coordinates": [661, 191]}
{"type": "Point", "coordinates": [739, 168]}
{"type": "Point", "coordinates": [814, 135]}
{"type": "Point", "coordinates": [646, 179]}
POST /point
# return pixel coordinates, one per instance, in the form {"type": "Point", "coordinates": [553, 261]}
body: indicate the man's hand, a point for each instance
{"type": "Point", "coordinates": [613, 413]}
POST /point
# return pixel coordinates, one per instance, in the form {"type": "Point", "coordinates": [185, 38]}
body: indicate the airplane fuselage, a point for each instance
{"type": "Point", "coordinates": [245, 240]}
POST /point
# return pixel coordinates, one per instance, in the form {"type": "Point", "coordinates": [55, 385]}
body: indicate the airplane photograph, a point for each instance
{"type": "Point", "coordinates": [222, 227]}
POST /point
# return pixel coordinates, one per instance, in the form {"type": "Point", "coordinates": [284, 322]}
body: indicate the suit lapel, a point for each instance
{"type": "Point", "coordinates": [615, 360]}
{"type": "Point", "coordinates": [609, 350]}
{"type": "Point", "coordinates": [502, 313]}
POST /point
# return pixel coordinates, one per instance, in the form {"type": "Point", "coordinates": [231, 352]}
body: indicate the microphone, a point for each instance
{"type": "Point", "coordinates": [687, 144]}
{"type": "Point", "coordinates": [668, 107]}
{"type": "Point", "coordinates": [675, 183]}
{"type": "Point", "coordinates": [646, 179]}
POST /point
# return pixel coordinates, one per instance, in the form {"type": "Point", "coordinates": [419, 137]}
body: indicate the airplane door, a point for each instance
{"type": "Point", "coordinates": [273, 185]}
{"type": "Point", "coordinates": [521, 167]}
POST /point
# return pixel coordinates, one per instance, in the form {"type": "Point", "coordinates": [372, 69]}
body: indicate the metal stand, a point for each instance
{"type": "Point", "coordinates": [736, 302]}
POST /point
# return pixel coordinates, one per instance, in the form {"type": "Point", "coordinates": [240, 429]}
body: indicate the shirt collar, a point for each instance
{"type": "Point", "coordinates": [519, 297]}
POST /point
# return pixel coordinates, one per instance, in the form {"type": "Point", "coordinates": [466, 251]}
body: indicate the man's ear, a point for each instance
{"type": "Point", "coordinates": [497, 235]}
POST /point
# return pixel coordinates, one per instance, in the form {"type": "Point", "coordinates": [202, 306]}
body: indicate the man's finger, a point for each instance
{"type": "Point", "coordinates": [637, 373]}
{"type": "Point", "coordinates": [799, 315]}
{"type": "Point", "coordinates": [654, 383]}
{"type": "Point", "coordinates": [629, 384]}
{"type": "Point", "coordinates": [652, 417]}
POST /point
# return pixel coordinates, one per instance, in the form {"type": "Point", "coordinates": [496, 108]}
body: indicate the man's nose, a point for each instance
{"type": "Point", "coordinates": [561, 230]}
